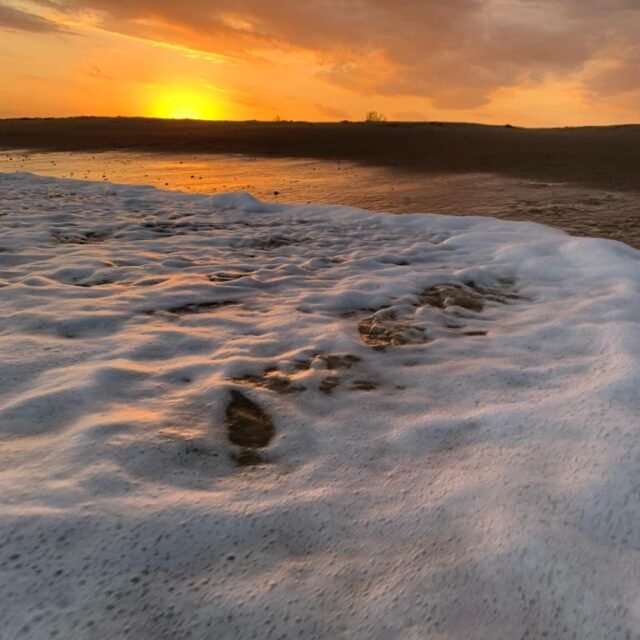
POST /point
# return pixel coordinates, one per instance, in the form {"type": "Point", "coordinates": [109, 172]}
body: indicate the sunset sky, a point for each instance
{"type": "Point", "coordinates": [529, 62]}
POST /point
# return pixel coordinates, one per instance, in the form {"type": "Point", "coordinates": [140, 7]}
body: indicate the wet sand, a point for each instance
{"type": "Point", "coordinates": [579, 210]}
{"type": "Point", "coordinates": [599, 157]}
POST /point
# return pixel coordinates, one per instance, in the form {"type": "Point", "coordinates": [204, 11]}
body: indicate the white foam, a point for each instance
{"type": "Point", "coordinates": [487, 487]}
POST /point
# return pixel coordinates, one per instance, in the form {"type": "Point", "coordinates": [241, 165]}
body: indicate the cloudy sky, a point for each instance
{"type": "Point", "coordinates": [529, 62]}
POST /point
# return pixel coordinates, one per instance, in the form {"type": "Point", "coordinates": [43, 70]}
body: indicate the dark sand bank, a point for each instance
{"type": "Point", "coordinates": [604, 157]}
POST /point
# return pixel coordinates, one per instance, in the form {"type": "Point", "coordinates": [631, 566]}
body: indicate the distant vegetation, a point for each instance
{"type": "Point", "coordinates": [375, 116]}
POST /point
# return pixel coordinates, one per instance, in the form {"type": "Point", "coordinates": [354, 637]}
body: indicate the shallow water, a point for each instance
{"type": "Point", "coordinates": [577, 210]}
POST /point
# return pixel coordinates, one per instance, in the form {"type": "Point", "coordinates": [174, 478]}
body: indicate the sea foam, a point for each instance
{"type": "Point", "coordinates": [226, 419]}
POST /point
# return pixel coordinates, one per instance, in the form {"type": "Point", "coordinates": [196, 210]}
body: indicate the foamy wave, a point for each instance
{"type": "Point", "coordinates": [220, 418]}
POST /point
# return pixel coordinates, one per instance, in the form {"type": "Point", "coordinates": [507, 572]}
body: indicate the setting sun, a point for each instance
{"type": "Point", "coordinates": [182, 104]}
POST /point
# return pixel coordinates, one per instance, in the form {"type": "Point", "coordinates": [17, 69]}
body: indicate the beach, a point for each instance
{"type": "Point", "coordinates": [602, 157]}
{"type": "Point", "coordinates": [599, 200]}
{"type": "Point", "coordinates": [319, 320]}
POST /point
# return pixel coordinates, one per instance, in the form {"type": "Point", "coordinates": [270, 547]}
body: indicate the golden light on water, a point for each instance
{"type": "Point", "coordinates": [184, 103]}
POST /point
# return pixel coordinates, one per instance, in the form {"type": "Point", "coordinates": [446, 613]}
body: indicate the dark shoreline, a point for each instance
{"type": "Point", "coordinates": [601, 157]}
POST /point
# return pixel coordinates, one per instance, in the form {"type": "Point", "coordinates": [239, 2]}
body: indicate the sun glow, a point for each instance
{"type": "Point", "coordinates": [180, 104]}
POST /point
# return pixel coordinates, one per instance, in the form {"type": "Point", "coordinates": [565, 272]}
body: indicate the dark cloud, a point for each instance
{"type": "Point", "coordinates": [456, 52]}
{"type": "Point", "coordinates": [622, 76]}
{"type": "Point", "coordinates": [18, 20]}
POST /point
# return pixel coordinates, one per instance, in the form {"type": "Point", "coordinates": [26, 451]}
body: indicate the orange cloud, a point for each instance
{"type": "Point", "coordinates": [339, 58]}
{"type": "Point", "coordinates": [15, 19]}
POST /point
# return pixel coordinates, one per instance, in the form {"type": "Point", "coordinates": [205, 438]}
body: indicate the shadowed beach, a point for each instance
{"type": "Point", "coordinates": [602, 157]}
